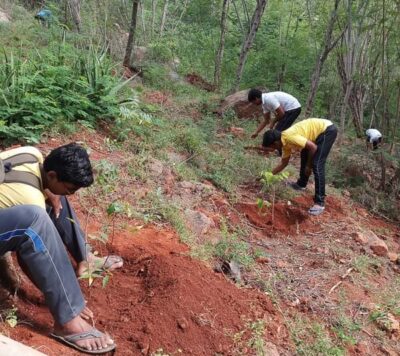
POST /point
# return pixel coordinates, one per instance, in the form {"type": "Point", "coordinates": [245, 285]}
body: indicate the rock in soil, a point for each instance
{"type": "Point", "coordinates": [270, 349]}
{"type": "Point", "coordinates": [379, 247]}
{"type": "Point", "coordinates": [360, 238]}
{"type": "Point", "coordinates": [198, 222]}
{"type": "Point", "coordinates": [393, 257]}
{"type": "Point", "coordinates": [389, 323]}
{"type": "Point", "coordinates": [155, 167]}
{"type": "Point", "coordinates": [182, 323]}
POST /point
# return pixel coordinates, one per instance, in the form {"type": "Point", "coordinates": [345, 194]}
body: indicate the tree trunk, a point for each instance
{"type": "Point", "coordinates": [283, 44]}
{"type": "Point", "coordinates": [328, 45]}
{"type": "Point", "coordinates": [153, 16]}
{"type": "Point", "coordinates": [141, 5]}
{"type": "Point", "coordinates": [164, 17]}
{"type": "Point", "coordinates": [75, 9]}
{"type": "Point", "coordinates": [255, 22]}
{"type": "Point", "coordinates": [220, 53]}
{"type": "Point", "coordinates": [396, 123]}
{"type": "Point", "coordinates": [132, 29]}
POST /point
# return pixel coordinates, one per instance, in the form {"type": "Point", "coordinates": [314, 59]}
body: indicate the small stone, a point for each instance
{"type": "Point", "coordinates": [182, 323]}
{"type": "Point", "coordinates": [393, 257]}
{"type": "Point", "coordinates": [360, 238]}
{"type": "Point", "coordinates": [270, 349]}
{"type": "Point", "coordinates": [378, 247]}
{"type": "Point", "coordinates": [237, 131]}
{"type": "Point", "coordinates": [281, 264]}
{"type": "Point", "coordinates": [262, 260]}
{"type": "Point", "coordinates": [187, 185]}
{"type": "Point", "coordinates": [198, 222]}
{"type": "Point", "coordinates": [155, 167]}
{"type": "Point", "coordinates": [294, 303]}
{"type": "Point", "coordinates": [389, 323]}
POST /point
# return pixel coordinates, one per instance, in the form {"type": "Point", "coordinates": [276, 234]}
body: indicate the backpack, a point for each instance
{"type": "Point", "coordinates": [8, 175]}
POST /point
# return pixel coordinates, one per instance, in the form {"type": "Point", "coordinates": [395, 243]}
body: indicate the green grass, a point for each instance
{"type": "Point", "coordinates": [312, 339]}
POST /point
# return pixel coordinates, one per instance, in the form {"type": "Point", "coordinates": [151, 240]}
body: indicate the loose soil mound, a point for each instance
{"type": "Point", "coordinates": [160, 299]}
{"type": "Point", "coordinates": [287, 218]}
{"type": "Point", "coordinates": [199, 82]}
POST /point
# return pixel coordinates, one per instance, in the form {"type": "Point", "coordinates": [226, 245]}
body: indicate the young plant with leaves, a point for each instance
{"type": "Point", "coordinates": [270, 182]}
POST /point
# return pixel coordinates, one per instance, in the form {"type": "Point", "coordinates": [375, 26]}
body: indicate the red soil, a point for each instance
{"type": "Point", "coordinates": [160, 299]}
{"type": "Point", "coordinates": [199, 82]}
{"type": "Point", "coordinates": [289, 218]}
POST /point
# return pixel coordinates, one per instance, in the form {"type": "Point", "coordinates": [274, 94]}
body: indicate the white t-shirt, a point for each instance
{"type": "Point", "coordinates": [273, 100]}
{"type": "Point", "coordinates": [373, 135]}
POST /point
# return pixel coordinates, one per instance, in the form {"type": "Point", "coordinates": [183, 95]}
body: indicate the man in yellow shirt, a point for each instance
{"type": "Point", "coordinates": [27, 229]}
{"type": "Point", "coordinates": [314, 138]}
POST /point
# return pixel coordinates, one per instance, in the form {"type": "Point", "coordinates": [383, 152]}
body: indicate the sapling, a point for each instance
{"type": "Point", "coordinates": [270, 182]}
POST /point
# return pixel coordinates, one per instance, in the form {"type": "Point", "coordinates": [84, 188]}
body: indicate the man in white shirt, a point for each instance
{"type": "Point", "coordinates": [285, 107]}
{"type": "Point", "coordinates": [374, 137]}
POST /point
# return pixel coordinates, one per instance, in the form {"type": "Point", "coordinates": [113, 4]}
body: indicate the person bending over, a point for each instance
{"type": "Point", "coordinates": [374, 137]}
{"type": "Point", "coordinates": [285, 107]}
{"type": "Point", "coordinates": [314, 138]}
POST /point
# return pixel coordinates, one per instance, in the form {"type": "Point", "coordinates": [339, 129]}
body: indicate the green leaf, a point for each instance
{"type": "Point", "coordinates": [106, 279]}
{"type": "Point", "coordinates": [12, 322]}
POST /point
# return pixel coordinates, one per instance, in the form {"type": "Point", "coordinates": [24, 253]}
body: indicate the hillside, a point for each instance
{"type": "Point", "coordinates": [221, 257]}
{"type": "Point", "coordinates": [308, 285]}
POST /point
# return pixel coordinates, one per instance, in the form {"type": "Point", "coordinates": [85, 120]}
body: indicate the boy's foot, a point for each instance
{"type": "Point", "coordinates": [316, 209]}
{"type": "Point", "coordinates": [80, 335]}
{"type": "Point", "coordinates": [295, 186]}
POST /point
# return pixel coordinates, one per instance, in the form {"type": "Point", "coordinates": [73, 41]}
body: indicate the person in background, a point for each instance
{"type": "Point", "coordinates": [285, 108]}
{"type": "Point", "coordinates": [374, 137]}
{"type": "Point", "coordinates": [314, 138]}
{"type": "Point", "coordinates": [45, 17]}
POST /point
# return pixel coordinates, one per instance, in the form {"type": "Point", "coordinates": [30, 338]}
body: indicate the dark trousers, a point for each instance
{"type": "Point", "coordinates": [29, 231]}
{"type": "Point", "coordinates": [324, 143]}
{"type": "Point", "coordinates": [67, 225]}
{"type": "Point", "coordinates": [288, 119]}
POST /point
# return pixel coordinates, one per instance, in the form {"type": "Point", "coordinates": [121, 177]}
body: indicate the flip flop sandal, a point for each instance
{"type": "Point", "coordinates": [316, 210]}
{"type": "Point", "coordinates": [71, 339]}
{"type": "Point", "coordinates": [110, 261]}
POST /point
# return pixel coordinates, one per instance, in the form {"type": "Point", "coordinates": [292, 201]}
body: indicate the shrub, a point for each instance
{"type": "Point", "coordinates": [70, 85]}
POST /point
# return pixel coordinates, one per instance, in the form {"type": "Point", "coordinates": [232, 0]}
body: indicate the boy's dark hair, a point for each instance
{"type": "Point", "coordinates": [254, 94]}
{"type": "Point", "coordinates": [71, 163]}
{"type": "Point", "coordinates": [270, 137]}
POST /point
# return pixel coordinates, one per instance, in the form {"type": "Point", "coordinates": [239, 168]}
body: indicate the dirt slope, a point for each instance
{"type": "Point", "coordinates": [164, 299]}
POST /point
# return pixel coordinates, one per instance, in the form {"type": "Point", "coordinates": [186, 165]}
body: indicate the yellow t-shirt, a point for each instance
{"type": "Point", "coordinates": [296, 137]}
{"type": "Point", "coordinates": [12, 194]}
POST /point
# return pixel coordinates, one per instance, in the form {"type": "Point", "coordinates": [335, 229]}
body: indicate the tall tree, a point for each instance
{"type": "Point", "coordinates": [255, 22]}
{"type": "Point", "coordinates": [164, 17]}
{"type": "Point", "coordinates": [220, 52]}
{"type": "Point", "coordinates": [132, 30]}
{"type": "Point", "coordinates": [75, 9]}
{"type": "Point", "coordinates": [353, 65]}
{"type": "Point", "coordinates": [328, 45]}
{"type": "Point", "coordinates": [153, 16]}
